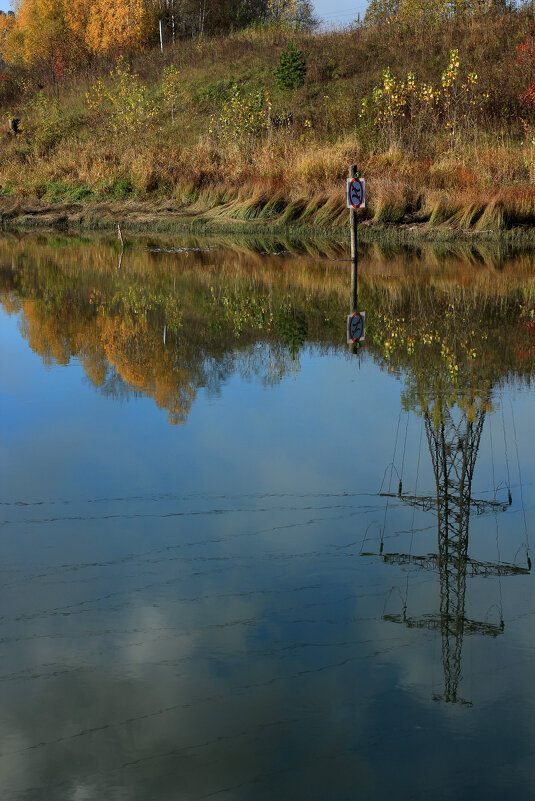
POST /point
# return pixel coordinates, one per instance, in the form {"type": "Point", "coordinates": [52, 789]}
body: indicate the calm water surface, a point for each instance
{"type": "Point", "coordinates": [241, 561]}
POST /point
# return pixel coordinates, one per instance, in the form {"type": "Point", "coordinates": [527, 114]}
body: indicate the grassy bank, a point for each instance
{"type": "Point", "coordinates": [226, 145]}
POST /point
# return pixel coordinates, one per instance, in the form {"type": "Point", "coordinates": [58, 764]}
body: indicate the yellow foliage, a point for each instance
{"type": "Point", "coordinates": [77, 14]}
{"type": "Point", "coordinates": [397, 104]}
{"type": "Point", "coordinates": [6, 24]}
{"type": "Point", "coordinates": [123, 99]}
{"type": "Point", "coordinates": [57, 31]}
{"type": "Point", "coordinates": [121, 25]}
{"type": "Point", "coordinates": [39, 32]}
{"type": "Point", "coordinates": [286, 10]}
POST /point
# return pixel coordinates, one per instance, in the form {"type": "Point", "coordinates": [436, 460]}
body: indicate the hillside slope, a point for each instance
{"type": "Point", "coordinates": [437, 116]}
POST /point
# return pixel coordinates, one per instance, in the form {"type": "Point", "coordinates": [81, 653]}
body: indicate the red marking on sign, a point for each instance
{"type": "Point", "coordinates": [356, 193]}
{"type": "Point", "coordinates": [356, 327]}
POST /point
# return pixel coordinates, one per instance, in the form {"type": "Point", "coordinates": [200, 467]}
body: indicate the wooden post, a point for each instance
{"type": "Point", "coordinates": [353, 173]}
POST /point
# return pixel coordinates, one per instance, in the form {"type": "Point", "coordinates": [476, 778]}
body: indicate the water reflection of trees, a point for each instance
{"type": "Point", "coordinates": [161, 331]}
{"type": "Point", "coordinates": [169, 323]}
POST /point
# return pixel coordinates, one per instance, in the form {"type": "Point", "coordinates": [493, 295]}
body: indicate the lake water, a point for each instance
{"type": "Point", "coordinates": [243, 560]}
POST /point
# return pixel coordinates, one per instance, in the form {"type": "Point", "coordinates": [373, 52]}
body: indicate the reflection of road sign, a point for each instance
{"type": "Point", "coordinates": [356, 195]}
{"type": "Point", "coordinates": [355, 327]}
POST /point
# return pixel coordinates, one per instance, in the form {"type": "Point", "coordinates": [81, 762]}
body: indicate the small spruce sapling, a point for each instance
{"type": "Point", "coordinates": [291, 70]}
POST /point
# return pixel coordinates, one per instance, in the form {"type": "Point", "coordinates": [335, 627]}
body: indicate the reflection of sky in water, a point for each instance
{"type": "Point", "coordinates": [186, 611]}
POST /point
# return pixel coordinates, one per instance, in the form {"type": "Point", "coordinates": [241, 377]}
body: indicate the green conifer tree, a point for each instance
{"type": "Point", "coordinates": [291, 70]}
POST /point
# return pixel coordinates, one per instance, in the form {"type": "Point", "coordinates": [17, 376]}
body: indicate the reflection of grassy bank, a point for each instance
{"type": "Point", "coordinates": [169, 323]}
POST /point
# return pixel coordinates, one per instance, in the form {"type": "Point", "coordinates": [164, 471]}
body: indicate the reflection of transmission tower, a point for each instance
{"type": "Point", "coordinates": [453, 447]}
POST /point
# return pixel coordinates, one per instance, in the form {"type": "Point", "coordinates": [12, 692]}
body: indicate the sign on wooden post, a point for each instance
{"type": "Point", "coordinates": [356, 193]}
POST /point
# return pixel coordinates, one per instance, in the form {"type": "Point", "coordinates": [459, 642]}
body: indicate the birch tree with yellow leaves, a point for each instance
{"type": "Point", "coordinates": [118, 26]}
{"type": "Point", "coordinates": [55, 32]}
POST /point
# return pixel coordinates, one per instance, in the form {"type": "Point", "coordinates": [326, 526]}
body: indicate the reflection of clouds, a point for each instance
{"type": "Point", "coordinates": [178, 636]}
{"type": "Point", "coordinates": [296, 688]}
{"type": "Point", "coordinates": [15, 741]}
{"type": "Point", "coordinates": [172, 672]}
{"type": "Point", "coordinates": [217, 722]}
{"type": "Point", "coordinates": [83, 792]}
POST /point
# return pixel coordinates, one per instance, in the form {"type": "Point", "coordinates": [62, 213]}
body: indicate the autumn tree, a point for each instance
{"type": "Point", "coordinates": [77, 13]}
{"type": "Point", "coordinates": [7, 22]}
{"type": "Point", "coordinates": [117, 26]}
{"type": "Point", "coordinates": [57, 33]}
{"type": "Point", "coordinates": [40, 37]}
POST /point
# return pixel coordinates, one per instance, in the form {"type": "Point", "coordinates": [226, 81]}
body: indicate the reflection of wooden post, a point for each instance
{"type": "Point", "coordinates": [354, 286]}
{"type": "Point", "coordinates": [354, 173]}
{"type": "Point", "coordinates": [120, 237]}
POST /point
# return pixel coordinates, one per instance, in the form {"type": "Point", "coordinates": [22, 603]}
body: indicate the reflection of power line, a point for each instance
{"type": "Point", "coordinates": [453, 448]}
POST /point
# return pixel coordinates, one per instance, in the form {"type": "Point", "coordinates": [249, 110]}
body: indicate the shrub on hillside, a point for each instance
{"type": "Point", "coordinates": [122, 101]}
{"type": "Point", "coordinates": [244, 119]}
{"type": "Point", "coordinates": [407, 112]}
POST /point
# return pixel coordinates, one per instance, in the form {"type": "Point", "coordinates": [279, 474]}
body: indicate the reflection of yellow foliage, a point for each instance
{"type": "Point", "coordinates": [42, 335]}
{"type": "Point", "coordinates": [174, 391]}
{"type": "Point", "coordinates": [10, 304]}
{"type": "Point", "coordinates": [127, 347]}
{"type": "Point", "coordinates": [139, 357]}
{"type": "Point", "coordinates": [95, 365]}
